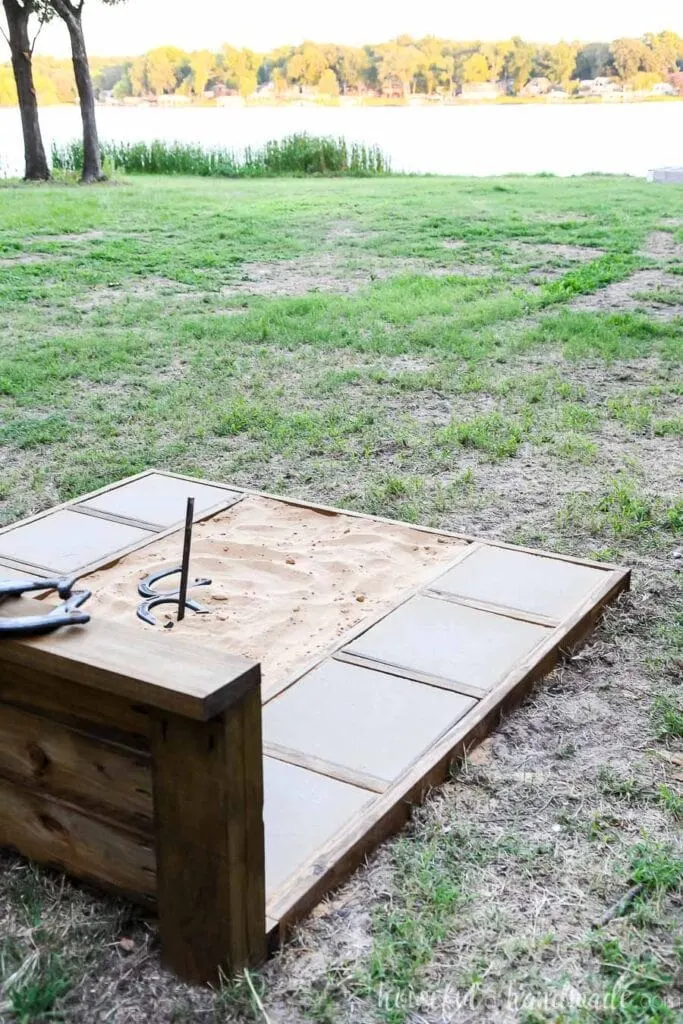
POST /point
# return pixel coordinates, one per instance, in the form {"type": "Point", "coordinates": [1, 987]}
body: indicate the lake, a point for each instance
{"type": "Point", "coordinates": [470, 140]}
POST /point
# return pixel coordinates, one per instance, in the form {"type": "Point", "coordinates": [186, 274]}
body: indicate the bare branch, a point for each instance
{"type": "Point", "coordinates": [35, 38]}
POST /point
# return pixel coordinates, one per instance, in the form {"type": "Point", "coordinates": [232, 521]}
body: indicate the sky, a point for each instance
{"type": "Point", "coordinates": [140, 25]}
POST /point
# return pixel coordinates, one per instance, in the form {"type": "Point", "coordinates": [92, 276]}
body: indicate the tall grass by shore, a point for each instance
{"type": "Point", "coordinates": [294, 155]}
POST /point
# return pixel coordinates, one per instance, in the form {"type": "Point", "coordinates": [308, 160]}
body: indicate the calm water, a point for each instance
{"type": "Point", "coordinates": [628, 139]}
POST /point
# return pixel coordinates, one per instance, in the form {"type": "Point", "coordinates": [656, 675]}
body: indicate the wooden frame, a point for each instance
{"type": "Point", "coordinates": [149, 783]}
{"type": "Point", "coordinates": [144, 773]}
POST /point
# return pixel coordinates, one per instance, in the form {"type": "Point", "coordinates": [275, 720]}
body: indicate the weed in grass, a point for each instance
{"type": "Point", "coordinates": [494, 434]}
{"type": "Point", "coordinates": [574, 447]}
{"type": "Point", "coordinates": [657, 867]}
{"type": "Point", "coordinates": [637, 990]}
{"type": "Point", "coordinates": [30, 433]}
{"type": "Point", "coordinates": [396, 497]}
{"type": "Point", "coordinates": [240, 996]}
{"type": "Point", "coordinates": [284, 431]}
{"type": "Point", "coordinates": [667, 717]}
{"type": "Point", "coordinates": [612, 784]}
{"type": "Point", "coordinates": [578, 417]}
{"type": "Point", "coordinates": [623, 512]}
{"type": "Point", "coordinates": [590, 277]}
{"type": "Point", "coordinates": [669, 427]}
{"type": "Point", "coordinates": [33, 997]}
{"type": "Point", "coordinates": [427, 889]}
{"type": "Point", "coordinates": [670, 801]}
{"type": "Point", "coordinates": [609, 336]}
{"type": "Point", "coordinates": [663, 296]}
{"type": "Point", "coordinates": [631, 413]}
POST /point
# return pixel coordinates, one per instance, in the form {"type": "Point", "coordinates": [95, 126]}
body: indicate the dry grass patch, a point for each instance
{"type": "Point", "coordinates": [661, 245]}
{"type": "Point", "coordinates": [623, 296]}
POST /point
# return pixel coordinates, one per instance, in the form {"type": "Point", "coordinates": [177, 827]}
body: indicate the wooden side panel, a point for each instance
{"type": "Point", "coordinates": [208, 802]}
{"type": "Point", "coordinates": [103, 778]}
{"type": "Point", "coordinates": [61, 836]}
{"type": "Point", "coordinates": [73, 704]}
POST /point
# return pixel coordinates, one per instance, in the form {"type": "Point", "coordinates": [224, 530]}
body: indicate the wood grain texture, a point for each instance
{"type": "Point", "coordinates": [94, 712]}
{"type": "Point", "coordinates": [54, 833]}
{"type": "Point", "coordinates": [99, 777]}
{"type": "Point", "coordinates": [165, 673]}
{"type": "Point", "coordinates": [208, 801]}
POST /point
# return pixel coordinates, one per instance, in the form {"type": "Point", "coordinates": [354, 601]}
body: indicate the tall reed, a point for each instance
{"type": "Point", "coordinates": [294, 155]}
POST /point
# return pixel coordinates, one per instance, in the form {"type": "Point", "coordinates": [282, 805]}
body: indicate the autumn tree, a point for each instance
{"type": "Point", "coordinates": [307, 65]}
{"type": "Point", "coordinates": [561, 64]}
{"type": "Point", "coordinates": [519, 63]}
{"type": "Point", "coordinates": [629, 57]}
{"type": "Point", "coordinates": [239, 69]}
{"type": "Point", "coordinates": [476, 68]}
{"type": "Point", "coordinates": [434, 65]}
{"type": "Point", "coordinates": [19, 14]}
{"type": "Point", "coordinates": [496, 55]}
{"type": "Point", "coordinates": [329, 83]}
{"type": "Point", "coordinates": [662, 53]}
{"type": "Point", "coordinates": [201, 65]}
{"type": "Point", "coordinates": [399, 64]}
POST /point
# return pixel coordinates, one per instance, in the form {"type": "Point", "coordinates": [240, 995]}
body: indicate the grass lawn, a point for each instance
{"type": "Point", "coordinates": [501, 357]}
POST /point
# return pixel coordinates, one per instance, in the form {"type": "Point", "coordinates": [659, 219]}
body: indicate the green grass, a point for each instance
{"type": "Point", "coordinates": [379, 343]}
{"type": "Point", "coordinates": [293, 155]}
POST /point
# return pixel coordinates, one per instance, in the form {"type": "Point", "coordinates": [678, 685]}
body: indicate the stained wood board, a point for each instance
{"type": "Point", "coordinates": [198, 682]}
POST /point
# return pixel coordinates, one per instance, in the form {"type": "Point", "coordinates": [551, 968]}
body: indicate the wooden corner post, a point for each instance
{"type": "Point", "coordinates": [134, 761]}
{"type": "Point", "coordinates": [208, 827]}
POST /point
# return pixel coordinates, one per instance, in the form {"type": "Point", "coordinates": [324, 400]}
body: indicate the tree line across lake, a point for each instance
{"type": "Point", "coordinates": [400, 68]}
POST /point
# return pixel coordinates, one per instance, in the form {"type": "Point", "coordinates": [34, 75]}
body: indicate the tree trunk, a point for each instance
{"type": "Point", "coordinates": [36, 168]}
{"type": "Point", "coordinates": [72, 17]}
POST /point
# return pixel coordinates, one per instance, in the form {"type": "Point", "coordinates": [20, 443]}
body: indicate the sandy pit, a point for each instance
{"type": "Point", "coordinates": [288, 582]}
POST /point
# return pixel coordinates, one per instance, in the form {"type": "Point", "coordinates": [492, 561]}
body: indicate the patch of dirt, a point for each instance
{"type": "Point", "coordinates": [143, 288]}
{"type": "Point", "coordinates": [454, 243]}
{"type": "Point", "coordinates": [661, 245]}
{"type": "Point", "coordinates": [545, 250]}
{"type": "Point", "coordinates": [622, 296]}
{"type": "Point", "coordinates": [27, 259]}
{"type": "Point", "coordinates": [328, 273]}
{"type": "Point", "coordinates": [561, 218]}
{"type": "Point", "coordinates": [76, 236]}
{"type": "Point", "coordinates": [346, 230]}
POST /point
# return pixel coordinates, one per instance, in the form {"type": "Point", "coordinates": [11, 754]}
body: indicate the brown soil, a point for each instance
{"type": "Point", "coordinates": [329, 273]}
{"type": "Point", "coordinates": [545, 250]}
{"type": "Point", "coordinates": [623, 296]}
{"type": "Point", "coordinates": [662, 245]}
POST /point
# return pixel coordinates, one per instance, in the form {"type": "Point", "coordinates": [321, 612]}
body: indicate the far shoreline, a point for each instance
{"type": "Point", "coordinates": [342, 103]}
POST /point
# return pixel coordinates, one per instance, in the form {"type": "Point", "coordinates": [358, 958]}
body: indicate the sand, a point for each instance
{"type": "Point", "coordinates": [288, 582]}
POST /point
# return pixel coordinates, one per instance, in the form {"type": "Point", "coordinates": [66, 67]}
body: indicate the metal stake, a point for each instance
{"type": "Point", "coordinates": [185, 569]}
